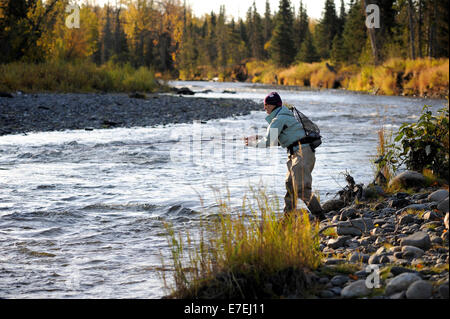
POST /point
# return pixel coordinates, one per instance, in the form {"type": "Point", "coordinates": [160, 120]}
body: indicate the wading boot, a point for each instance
{"type": "Point", "coordinates": [315, 208]}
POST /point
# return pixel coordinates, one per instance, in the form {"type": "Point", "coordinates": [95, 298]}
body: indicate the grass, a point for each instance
{"type": "Point", "coordinates": [75, 77]}
{"type": "Point", "coordinates": [252, 253]}
{"type": "Point", "coordinates": [420, 77]}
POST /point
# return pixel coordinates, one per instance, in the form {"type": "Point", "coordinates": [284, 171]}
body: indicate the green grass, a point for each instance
{"type": "Point", "coordinates": [245, 254]}
{"type": "Point", "coordinates": [75, 77]}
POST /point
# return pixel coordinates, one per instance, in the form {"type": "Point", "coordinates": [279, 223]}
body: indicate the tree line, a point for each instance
{"type": "Point", "coordinates": [167, 37]}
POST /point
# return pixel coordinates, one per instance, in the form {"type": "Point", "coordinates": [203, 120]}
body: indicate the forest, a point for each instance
{"type": "Point", "coordinates": [406, 54]}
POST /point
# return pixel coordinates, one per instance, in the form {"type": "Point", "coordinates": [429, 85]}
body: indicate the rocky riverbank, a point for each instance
{"type": "Point", "coordinates": [21, 113]}
{"type": "Point", "coordinates": [393, 247]}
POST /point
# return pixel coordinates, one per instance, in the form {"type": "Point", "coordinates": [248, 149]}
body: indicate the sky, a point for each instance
{"type": "Point", "coordinates": [238, 8]}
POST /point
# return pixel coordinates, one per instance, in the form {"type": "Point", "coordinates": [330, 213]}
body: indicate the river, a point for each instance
{"type": "Point", "coordinates": [82, 212]}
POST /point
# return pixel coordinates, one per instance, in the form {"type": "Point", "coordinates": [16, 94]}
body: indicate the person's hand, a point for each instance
{"type": "Point", "coordinates": [250, 140]}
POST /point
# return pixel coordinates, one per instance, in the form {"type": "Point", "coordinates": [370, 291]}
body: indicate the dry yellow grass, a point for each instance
{"type": "Point", "coordinates": [254, 242]}
{"type": "Point", "coordinates": [75, 77]}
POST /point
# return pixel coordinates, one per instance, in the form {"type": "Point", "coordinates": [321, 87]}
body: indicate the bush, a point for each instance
{"type": "Point", "coordinates": [423, 145]}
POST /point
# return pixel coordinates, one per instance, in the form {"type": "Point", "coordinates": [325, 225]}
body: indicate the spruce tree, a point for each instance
{"type": "Point", "coordinates": [327, 29]}
{"type": "Point", "coordinates": [282, 46]}
{"type": "Point", "coordinates": [267, 33]}
{"type": "Point", "coordinates": [308, 52]}
{"type": "Point", "coordinates": [354, 35]}
{"type": "Point", "coordinates": [301, 25]}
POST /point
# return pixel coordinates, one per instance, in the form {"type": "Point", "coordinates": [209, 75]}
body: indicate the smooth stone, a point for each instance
{"type": "Point", "coordinates": [416, 252]}
{"type": "Point", "coordinates": [336, 290]}
{"type": "Point", "coordinates": [359, 257]}
{"type": "Point", "coordinates": [334, 261]}
{"type": "Point", "coordinates": [431, 216]}
{"type": "Point", "coordinates": [355, 227]}
{"type": "Point", "coordinates": [408, 179]}
{"type": "Point", "coordinates": [326, 294]}
{"type": "Point", "coordinates": [401, 282]}
{"type": "Point", "coordinates": [438, 195]}
{"type": "Point", "coordinates": [373, 191]}
{"type": "Point", "coordinates": [443, 206]}
{"type": "Point", "coordinates": [398, 295]}
{"type": "Point", "coordinates": [347, 213]}
{"type": "Point", "coordinates": [339, 280]}
{"type": "Point", "coordinates": [374, 259]}
{"type": "Point", "coordinates": [414, 207]}
{"type": "Point", "coordinates": [406, 220]}
{"type": "Point", "coordinates": [418, 239]}
{"type": "Point", "coordinates": [420, 289]}
{"type": "Point", "coordinates": [446, 221]}
{"type": "Point", "coordinates": [443, 291]}
{"type": "Point", "coordinates": [332, 204]}
{"type": "Point", "coordinates": [337, 242]}
{"type": "Point", "coordinates": [356, 289]}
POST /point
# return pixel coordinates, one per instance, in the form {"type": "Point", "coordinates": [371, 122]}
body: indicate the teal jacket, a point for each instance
{"type": "Point", "coordinates": [283, 129]}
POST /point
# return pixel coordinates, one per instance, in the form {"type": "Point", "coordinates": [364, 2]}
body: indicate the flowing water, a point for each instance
{"type": "Point", "coordinates": [82, 212]}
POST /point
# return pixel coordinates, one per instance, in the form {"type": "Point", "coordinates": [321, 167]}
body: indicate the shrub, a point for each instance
{"type": "Point", "coordinates": [425, 144]}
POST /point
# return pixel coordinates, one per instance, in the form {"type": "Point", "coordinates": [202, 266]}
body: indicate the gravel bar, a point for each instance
{"type": "Point", "coordinates": [54, 112]}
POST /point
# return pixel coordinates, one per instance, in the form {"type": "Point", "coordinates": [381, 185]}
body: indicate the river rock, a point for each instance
{"type": "Point", "coordinates": [359, 257]}
{"type": "Point", "coordinates": [374, 259]}
{"type": "Point", "coordinates": [326, 294]}
{"type": "Point", "coordinates": [430, 216]}
{"type": "Point", "coordinates": [396, 270]}
{"type": "Point", "coordinates": [407, 219]}
{"type": "Point", "coordinates": [401, 282]}
{"type": "Point", "coordinates": [420, 289]}
{"type": "Point", "coordinates": [418, 239]}
{"type": "Point", "coordinates": [414, 207]}
{"type": "Point", "coordinates": [355, 227]}
{"type": "Point", "coordinates": [347, 213]}
{"type": "Point", "coordinates": [356, 289]}
{"type": "Point", "coordinates": [446, 220]}
{"type": "Point", "coordinates": [438, 195]}
{"type": "Point", "coordinates": [337, 242]}
{"type": "Point", "coordinates": [373, 191]}
{"type": "Point", "coordinates": [408, 179]}
{"type": "Point", "coordinates": [185, 91]}
{"type": "Point", "coordinates": [443, 206]}
{"type": "Point", "coordinates": [443, 291]}
{"type": "Point", "coordinates": [332, 204]}
{"type": "Point", "coordinates": [339, 280]}
{"type": "Point", "coordinates": [414, 252]}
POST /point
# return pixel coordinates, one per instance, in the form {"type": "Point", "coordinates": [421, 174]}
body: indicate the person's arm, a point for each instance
{"type": "Point", "coordinates": [273, 132]}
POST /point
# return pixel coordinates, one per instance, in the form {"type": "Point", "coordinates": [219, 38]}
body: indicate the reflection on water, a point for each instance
{"type": "Point", "coordinates": [82, 212]}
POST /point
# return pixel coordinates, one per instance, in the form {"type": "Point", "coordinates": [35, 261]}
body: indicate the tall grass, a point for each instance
{"type": "Point", "coordinates": [75, 77]}
{"type": "Point", "coordinates": [420, 77]}
{"type": "Point", "coordinates": [238, 254]}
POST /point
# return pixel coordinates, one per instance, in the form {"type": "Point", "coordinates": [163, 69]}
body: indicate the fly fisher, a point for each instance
{"type": "Point", "coordinates": [295, 132]}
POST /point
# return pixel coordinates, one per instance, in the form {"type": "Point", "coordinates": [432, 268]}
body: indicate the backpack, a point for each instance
{"type": "Point", "coordinates": [312, 131]}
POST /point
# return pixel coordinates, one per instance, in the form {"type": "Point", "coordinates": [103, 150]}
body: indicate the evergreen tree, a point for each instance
{"type": "Point", "coordinates": [267, 34]}
{"type": "Point", "coordinates": [342, 18]}
{"type": "Point", "coordinates": [282, 46]}
{"type": "Point", "coordinates": [327, 29]}
{"type": "Point", "coordinates": [255, 33]}
{"type": "Point", "coordinates": [301, 25]}
{"type": "Point", "coordinates": [354, 35]}
{"type": "Point", "coordinates": [308, 52]}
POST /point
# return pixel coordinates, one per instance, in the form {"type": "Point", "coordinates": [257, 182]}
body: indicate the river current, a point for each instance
{"type": "Point", "coordinates": [82, 212]}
